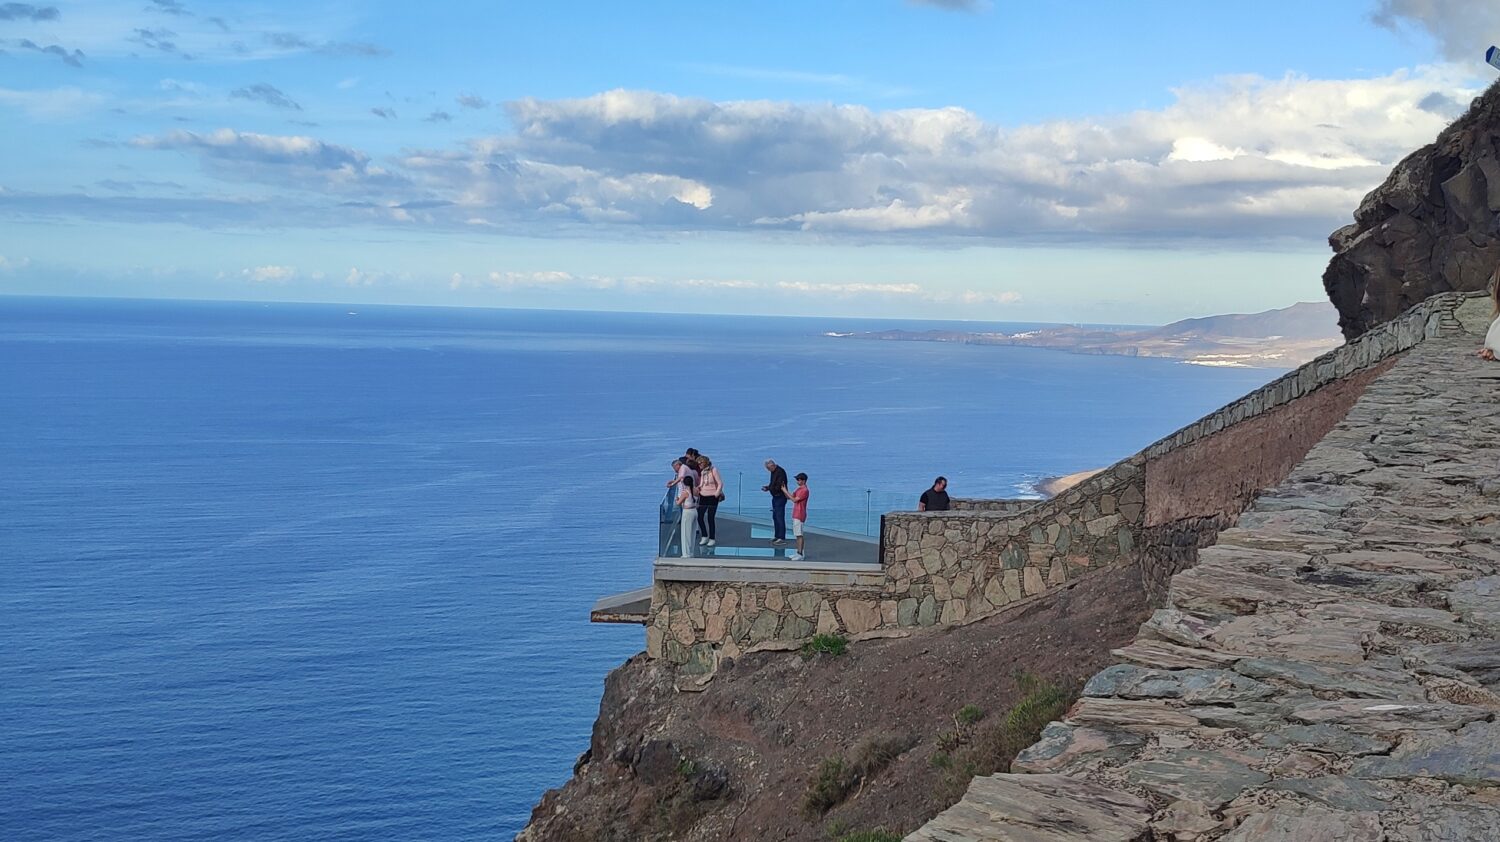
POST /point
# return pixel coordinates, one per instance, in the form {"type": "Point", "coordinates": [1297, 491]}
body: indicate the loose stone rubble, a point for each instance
{"type": "Point", "coordinates": [1328, 671]}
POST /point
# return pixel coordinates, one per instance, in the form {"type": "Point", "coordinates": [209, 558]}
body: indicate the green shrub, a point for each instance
{"type": "Point", "coordinates": [1041, 702]}
{"type": "Point", "coordinates": [830, 785]}
{"type": "Point", "coordinates": [837, 777]}
{"type": "Point", "coordinates": [970, 752]}
{"type": "Point", "coordinates": [826, 644]}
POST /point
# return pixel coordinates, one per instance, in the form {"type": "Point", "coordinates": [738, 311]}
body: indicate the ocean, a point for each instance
{"type": "Point", "coordinates": [288, 572]}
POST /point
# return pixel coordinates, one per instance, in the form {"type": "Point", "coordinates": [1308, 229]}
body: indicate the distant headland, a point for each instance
{"type": "Point", "coordinates": [1284, 338]}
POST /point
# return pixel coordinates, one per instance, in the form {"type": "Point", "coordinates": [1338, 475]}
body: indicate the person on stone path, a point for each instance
{"type": "Point", "coordinates": [799, 513]}
{"type": "Point", "coordinates": [777, 489]}
{"type": "Point", "coordinates": [935, 499]}
{"type": "Point", "coordinates": [687, 498]}
{"type": "Point", "coordinates": [1492, 338]}
{"type": "Point", "coordinates": [710, 494]}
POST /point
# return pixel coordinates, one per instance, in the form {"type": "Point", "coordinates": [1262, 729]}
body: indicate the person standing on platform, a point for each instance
{"type": "Point", "coordinates": [710, 494]}
{"type": "Point", "coordinates": [935, 499]}
{"type": "Point", "coordinates": [686, 466]}
{"type": "Point", "coordinates": [687, 498]}
{"type": "Point", "coordinates": [799, 513]}
{"type": "Point", "coordinates": [777, 489]}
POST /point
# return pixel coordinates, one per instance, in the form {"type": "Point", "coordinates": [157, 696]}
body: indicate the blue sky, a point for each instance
{"type": "Point", "coordinates": [1090, 161]}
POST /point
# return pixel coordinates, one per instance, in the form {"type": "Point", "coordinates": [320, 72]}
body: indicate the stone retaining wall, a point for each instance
{"type": "Point", "coordinates": [1156, 508]}
{"type": "Point", "coordinates": [696, 623]}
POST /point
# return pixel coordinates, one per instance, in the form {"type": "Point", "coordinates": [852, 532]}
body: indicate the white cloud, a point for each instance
{"type": "Point", "coordinates": [1241, 158]}
{"type": "Point", "coordinates": [558, 281]}
{"type": "Point", "coordinates": [1190, 169]}
{"type": "Point", "coordinates": [971, 296]}
{"type": "Point", "coordinates": [1201, 149]}
{"type": "Point", "coordinates": [849, 289]}
{"type": "Point", "coordinates": [296, 161]}
{"type": "Point", "coordinates": [7, 265]}
{"type": "Point", "coordinates": [54, 104]}
{"type": "Point", "coordinates": [269, 274]}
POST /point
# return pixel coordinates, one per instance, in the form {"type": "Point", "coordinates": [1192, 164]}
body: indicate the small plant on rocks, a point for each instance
{"type": "Point", "coordinates": [826, 644]}
{"type": "Point", "coordinates": [969, 714]}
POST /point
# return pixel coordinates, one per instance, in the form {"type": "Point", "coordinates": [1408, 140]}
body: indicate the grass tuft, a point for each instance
{"type": "Point", "coordinates": [972, 751]}
{"type": "Point", "coordinates": [825, 644]}
{"type": "Point", "coordinates": [876, 835]}
{"type": "Point", "coordinates": [837, 777]}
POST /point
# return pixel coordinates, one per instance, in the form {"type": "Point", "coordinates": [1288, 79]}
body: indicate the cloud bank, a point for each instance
{"type": "Point", "coordinates": [1239, 159]}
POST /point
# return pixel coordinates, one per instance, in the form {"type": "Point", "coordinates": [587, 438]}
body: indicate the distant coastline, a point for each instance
{"type": "Point", "coordinates": [1284, 338]}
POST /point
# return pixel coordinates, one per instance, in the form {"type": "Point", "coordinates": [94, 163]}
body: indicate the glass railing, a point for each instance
{"type": "Point", "coordinates": [843, 522]}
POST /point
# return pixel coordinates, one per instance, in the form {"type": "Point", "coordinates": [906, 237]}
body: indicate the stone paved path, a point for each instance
{"type": "Point", "coordinates": [1329, 671]}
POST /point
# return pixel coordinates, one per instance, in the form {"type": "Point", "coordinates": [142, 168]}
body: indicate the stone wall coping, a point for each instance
{"type": "Point", "coordinates": [757, 570]}
{"type": "Point", "coordinates": [967, 514]}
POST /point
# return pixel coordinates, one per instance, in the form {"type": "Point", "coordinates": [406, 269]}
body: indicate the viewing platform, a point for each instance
{"type": "Point", "coordinates": [843, 553]}
{"type": "Point", "coordinates": [875, 568]}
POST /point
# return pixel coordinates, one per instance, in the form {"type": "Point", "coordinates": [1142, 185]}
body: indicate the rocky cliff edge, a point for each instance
{"type": "Point", "coordinates": [1432, 227]}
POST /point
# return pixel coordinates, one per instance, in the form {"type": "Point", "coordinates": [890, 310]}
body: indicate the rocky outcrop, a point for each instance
{"type": "Point", "coordinates": [1432, 227]}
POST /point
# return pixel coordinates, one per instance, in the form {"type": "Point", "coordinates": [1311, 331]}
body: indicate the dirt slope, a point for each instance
{"type": "Point", "coordinates": [735, 761]}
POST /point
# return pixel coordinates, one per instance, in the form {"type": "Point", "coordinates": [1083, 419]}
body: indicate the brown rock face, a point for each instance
{"type": "Point", "coordinates": [1432, 227]}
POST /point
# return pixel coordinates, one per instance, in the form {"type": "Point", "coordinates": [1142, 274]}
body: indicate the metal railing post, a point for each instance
{"type": "Point", "coordinates": [867, 511]}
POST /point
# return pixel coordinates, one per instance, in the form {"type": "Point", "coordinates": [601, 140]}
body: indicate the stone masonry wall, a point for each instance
{"type": "Point", "coordinates": [971, 562]}
{"type": "Point", "coordinates": [696, 623]}
{"type": "Point", "coordinates": [1156, 508]}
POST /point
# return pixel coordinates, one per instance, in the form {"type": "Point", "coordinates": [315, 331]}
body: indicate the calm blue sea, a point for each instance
{"type": "Point", "coordinates": [288, 572]}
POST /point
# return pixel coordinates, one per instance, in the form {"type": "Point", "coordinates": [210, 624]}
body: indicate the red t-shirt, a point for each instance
{"type": "Point", "coordinates": [799, 503]}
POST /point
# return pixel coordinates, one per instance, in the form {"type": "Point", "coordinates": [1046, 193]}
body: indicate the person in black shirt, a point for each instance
{"type": "Point", "coordinates": [935, 499]}
{"type": "Point", "coordinates": [777, 488]}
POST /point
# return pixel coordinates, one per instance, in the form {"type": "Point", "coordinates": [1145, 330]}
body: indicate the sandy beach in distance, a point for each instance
{"type": "Point", "coordinates": [1053, 486]}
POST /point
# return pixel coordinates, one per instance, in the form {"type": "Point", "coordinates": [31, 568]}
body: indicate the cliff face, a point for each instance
{"type": "Point", "coordinates": [1432, 227]}
{"type": "Point", "coordinates": [747, 757]}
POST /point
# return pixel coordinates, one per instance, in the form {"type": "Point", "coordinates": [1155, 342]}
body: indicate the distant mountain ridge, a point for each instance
{"type": "Point", "coordinates": [1283, 338]}
{"type": "Point", "coordinates": [1306, 320]}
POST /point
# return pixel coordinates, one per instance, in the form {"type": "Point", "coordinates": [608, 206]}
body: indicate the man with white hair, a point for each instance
{"type": "Point", "coordinates": [777, 489]}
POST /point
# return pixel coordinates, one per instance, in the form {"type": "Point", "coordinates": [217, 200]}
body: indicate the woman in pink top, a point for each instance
{"type": "Point", "coordinates": [710, 492]}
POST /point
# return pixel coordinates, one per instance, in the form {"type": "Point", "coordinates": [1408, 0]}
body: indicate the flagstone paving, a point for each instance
{"type": "Point", "coordinates": [1329, 670]}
